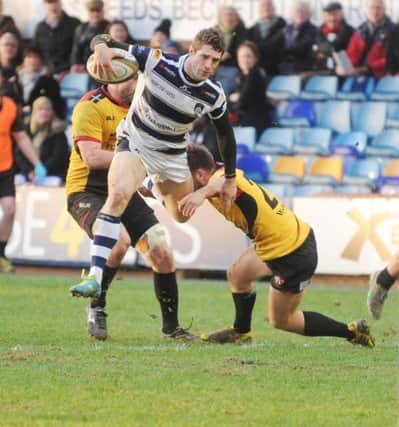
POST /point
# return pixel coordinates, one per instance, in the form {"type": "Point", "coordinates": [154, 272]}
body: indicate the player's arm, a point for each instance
{"type": "Point", "coordinates": [190, 203]}
{"type": "Point", "coordinates": [25, 145]}
{"type": "Point", "coordinates": [93, 155]}
{"type": "Point", "coordinates": [228, 150]}
{"type": "Point", "coordinates": [101, 44]}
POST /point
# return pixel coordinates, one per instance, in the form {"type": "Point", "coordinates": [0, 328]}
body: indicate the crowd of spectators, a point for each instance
{"type": "Point", "coordinates": [254, 54]}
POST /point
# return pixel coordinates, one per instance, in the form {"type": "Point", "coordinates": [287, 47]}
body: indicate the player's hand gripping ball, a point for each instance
{"type": "Point", "coordinates": [125, 68]}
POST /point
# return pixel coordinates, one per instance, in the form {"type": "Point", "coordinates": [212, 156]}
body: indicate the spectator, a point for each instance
{"type": "Point", "coordinates": [332, 36]}
{"type": "Point", "coordinates": [171, 47]}
{"type": "Point", "coordinates": [85, 32]}
{"type": "Point", "coordinates": [7, 23]}
{"type": "Point", "coordinates": [392, 55]}
{"type": "Point", "coordinates": [11, 129]}
{"type": "Point", "coordinates": [367, 46]}
{"type": "Point", "coordinates": [48, 139]}
{"type": "Point", "coordinates": [264, 34]}
{"type": "Point", "coordinates": [54, 37]}
{"type": "Point", "coordinates": [204, 132]}
{"type": "Point", "coordinates": [161, 34]}
{"type": "Point", "coordinates": [233, 31]}
{"type": "Point", "coordinates": [35, 81]}
{"type": "Point", "coordinates": [119, 31]}
{"type": "Point", "coordinates": [9, 60]}
{"type": "Point", "coordinates": [296, 41]}
{"type": "Point", "coordinates": [248, 99]}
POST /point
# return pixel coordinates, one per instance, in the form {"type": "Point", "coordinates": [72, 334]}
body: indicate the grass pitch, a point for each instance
{"type": "Point", "coordinates": [52, 374]}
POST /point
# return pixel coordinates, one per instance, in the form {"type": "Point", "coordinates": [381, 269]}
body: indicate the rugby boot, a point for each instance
{"type": "Point", "coordinates": [87, 288]}
{"type": "Point", "coordinates": [228, 335]}
{"type": "Point", "coordinates": [376, 296]}
{"type": "Point", "coordinates": [362, 335]}
{"type": "Point", "coordinates": [180, 334]}
{"type": "Point", "coordinates": [6, 266]}
{"type": "Point", "coordinates": [97, 322]}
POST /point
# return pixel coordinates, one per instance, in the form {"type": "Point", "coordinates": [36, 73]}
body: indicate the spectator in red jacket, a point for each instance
{"type": "Point", "coordinates": [367, 47]}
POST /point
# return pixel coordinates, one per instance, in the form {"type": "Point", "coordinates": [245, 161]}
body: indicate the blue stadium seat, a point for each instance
{"type": "Point", "coordinates": [276, 141]}
{"type": "Point", "coordinates": [363, 172]}
{"type": "Point", "coordinates": [284, 87]}
{"type": "Point", "coordinates": [357, 88]}
{"type": "Point", "coordinates": [320, 88]}
{"type": "Point", "coordinates": [314, 141]}
{"type": "Point", "coordinates": [352, 189]}
{"type": "Point", "coordinates": [335, 115]}
{"type": "Point", "coordinates": [74, 85]}
{"type": "Point", "coordinates": [387, 89]}
{"type": "Point", "coordinates": [254, 167]}
{"type": "Point", "coordinates": [349, 143]}
{"type": "Point", "coordinates": [309, 190]}
{"type": "Point", "coordinates": [392, 115]}
{"type": "Point", "coordinates": [281, 191]}
{"type": "Point", "coordinates": [297, 113]}
{"type": "Point", "coordinates": [369, 117]}
{"type": "Point", "coordinates": [385, 144]}
{"type": "Point", "coordinates": [245, 135]}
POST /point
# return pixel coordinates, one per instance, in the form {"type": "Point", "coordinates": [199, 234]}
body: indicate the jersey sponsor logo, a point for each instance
{"type": "Point", "coordinates": [277, 281]}
{"type": "Point", "coordinates": [110, 117]}
{"type": "Point", "coordinates": [163, 89]}
{"type": "Point", "coordinates": [146, 115]}
{"type": "Point", "coordinates": [198, 109]}
{"type": "Point", "coordinates": [207, 93]}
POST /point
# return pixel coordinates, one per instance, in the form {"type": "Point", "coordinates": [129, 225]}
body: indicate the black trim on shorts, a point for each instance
{"type": "Point", "coordinates": [137, 218]}
{"type": "Point", "coordinates": [7, 184]}
{"type": "Point", "coordinates": [292, 272]}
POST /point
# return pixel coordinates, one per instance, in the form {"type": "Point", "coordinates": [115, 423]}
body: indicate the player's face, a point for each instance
{"type": "Point", "coordinates": [202, 62]}
{"type": "Point", "coordinates": [201, 178]}
{"type": "Point", "coordinates": [125, 91]}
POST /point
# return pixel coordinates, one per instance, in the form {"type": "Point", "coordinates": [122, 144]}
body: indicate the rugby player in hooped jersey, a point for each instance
{"type": "Point", "coordinates": [284, 249]}
{"type": "Point", "coordinates": [152, 138]}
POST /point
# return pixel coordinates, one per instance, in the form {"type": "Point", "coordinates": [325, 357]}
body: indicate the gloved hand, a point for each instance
{"type": "Point", "coordinates": [40, 173]}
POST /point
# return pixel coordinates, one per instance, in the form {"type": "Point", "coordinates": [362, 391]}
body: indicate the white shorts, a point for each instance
{"type": "Point", "coordinates": [159, 166]}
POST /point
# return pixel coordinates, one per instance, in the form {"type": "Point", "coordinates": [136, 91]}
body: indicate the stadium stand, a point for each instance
{"type": "Point", "coordinates": [387, 89]}
{"type": "Point", "coordinates": [276, 141]}
{"type": "Point", "coordinates": [320, 88]}
{"type": "Point", "coordinates": [349, 143]}
{"type": "Point", "coordinates": [288, 170]}
{"type": "Point", "coordinates": [325, 171]}
{"type": "Point", "coordinates": [254, 167]}
{"type": "Point", "coordinates": [284, 87]}
{"type": "Point", "coordinates": [314, 141]}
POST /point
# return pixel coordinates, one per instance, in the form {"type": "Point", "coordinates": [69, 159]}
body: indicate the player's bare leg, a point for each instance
{"type": "Point", "coordinates": [171, 192]}
{"type": "Point", "coordinates": [243, 272]}
{"type": "Point", "coordinates": [154, 246]}
{"type": "Point", "coordinates": [8, 207]}
{"type": "Point", "coordinates": [380, 282]}
{"type": "Point", "coordinates": [124, 177]}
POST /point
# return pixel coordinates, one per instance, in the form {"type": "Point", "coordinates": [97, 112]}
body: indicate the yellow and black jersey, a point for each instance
{"type": "Point", "coordinates": [274, 229]}
{"type": "Point", "coordinates": [95, 118]}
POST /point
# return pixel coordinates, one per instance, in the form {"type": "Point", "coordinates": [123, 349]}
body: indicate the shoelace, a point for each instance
{"type": "Point", "coordinates": [101, 319]}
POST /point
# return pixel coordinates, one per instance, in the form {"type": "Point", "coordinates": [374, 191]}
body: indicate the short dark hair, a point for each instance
{"type": "Point", "coordinates": [33, 50]}
{"type": "Point", "coordinates": [199, 157]}
{"type": "Point", "coordinates": [209, 36]}
{"type": "Point", "coordinates": [250, 45]}
{"type": "Point", "coordinates": [332, 6]}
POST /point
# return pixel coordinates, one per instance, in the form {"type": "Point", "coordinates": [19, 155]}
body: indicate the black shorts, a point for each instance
{"type": "Point", "coordinates": [7, 185]}
{"type": "Point", "coordinates": [137, 218]}
{"type": "Point", "coordinates": [292, 272]}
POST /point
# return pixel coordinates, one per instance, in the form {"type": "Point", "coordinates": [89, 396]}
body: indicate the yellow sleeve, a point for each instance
{"type": "Point", "coordinates": [87, 122]}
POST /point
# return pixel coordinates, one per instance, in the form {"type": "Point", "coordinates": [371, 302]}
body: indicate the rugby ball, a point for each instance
{"type": "Point", "coordinates": [125, 66]}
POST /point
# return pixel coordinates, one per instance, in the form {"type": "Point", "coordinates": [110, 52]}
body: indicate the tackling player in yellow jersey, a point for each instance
{"type": "Point", "coordinates": [284, 249]}
{"type": "Point", "coordinates": [95, 119]}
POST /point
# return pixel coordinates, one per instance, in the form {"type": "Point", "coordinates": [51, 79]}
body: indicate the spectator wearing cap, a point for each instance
{"type": "Point", "coordinates": [296, 41]}
{"type": "Point", "coordinates": [332, 36]}
{"type": "Point", "coordinates": [264, 34]}
{"type": "Point", "coordinates": [36, 81]}
{"type": "Point", "coordinates": [53, 36]}
{"type": "Point", "coordinates": [96, 24]}
{"type": "Point", "coordinates": [161, 34]}
{"type": "Point", "coordinates": [367, 48]}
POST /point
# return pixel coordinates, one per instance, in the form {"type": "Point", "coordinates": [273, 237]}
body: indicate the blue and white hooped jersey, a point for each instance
{"type": "Point", "coordinates": [169, 103]}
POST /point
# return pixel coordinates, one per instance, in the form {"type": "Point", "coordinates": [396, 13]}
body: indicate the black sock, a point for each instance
{"type": "Point", "coordinates": [165, 286]}
{"type": "Point", "coordinates": [385, 279]}
{"type": "Point", "coordinates": [2, 248]}
{"type": "Point", "coordinates": [108, 276]}
{"type": "Point", "coordinates": [318, 325]}
{"type": "Point", "coordinates": [244, 304]}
